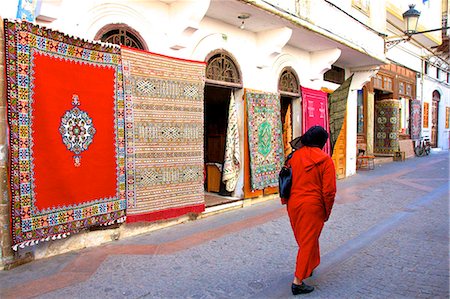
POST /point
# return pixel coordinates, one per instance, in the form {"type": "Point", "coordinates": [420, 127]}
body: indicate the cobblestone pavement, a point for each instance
{"type": "Point", "coordinates": [388, 237]}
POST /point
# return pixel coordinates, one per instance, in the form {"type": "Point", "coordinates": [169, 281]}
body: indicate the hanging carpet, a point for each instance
{"type": "Point", "coordinates": [232, 162]}
{"type": "Point", "coordinates": [164, 139]}
{"type": "Point", "coordinates": [66, 143]}
{"type": "Point", "coordinates": [386, 126]}
{"type": "Point", "coordinates": [315, 112]}
{"type": "Point", "coordinates": [264, 138]}
{"type": "Point", "coordinates": [416, 119]}
{"type": "Point", "coordinates": [337, 108]}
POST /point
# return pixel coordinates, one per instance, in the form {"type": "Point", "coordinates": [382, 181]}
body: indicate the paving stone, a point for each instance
{"type": "Point", "coordinates": [387, 238]}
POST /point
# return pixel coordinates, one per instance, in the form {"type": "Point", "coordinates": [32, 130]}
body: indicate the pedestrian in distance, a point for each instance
{"type": "Point", "coordinates": [310, 202]}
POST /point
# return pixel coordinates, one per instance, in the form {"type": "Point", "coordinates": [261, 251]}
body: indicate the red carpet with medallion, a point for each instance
{"type": "Point", "coordinates": [66, 126]}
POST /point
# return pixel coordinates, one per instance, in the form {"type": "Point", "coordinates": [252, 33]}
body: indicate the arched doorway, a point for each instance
{"type": "Point", "coordinates": [222, 78]}
{"type": "Point", "coordinates": [435, 118]}
{"type": "Point", "coordinates": [289, 89]}
{"type": "Point", "coordinates": [121, 34]}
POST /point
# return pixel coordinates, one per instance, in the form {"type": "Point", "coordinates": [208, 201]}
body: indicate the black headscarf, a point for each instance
{"type": "Point", "coordinates": [316, 136]}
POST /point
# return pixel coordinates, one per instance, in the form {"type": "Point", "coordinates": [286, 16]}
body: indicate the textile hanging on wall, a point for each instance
{"type": "Point", "coordinates": [416, 119]}
{"type": "Point", "coordinates": [232, 161]}
{"type": "Point", "coordinates": [386, 126]}
{"type": "Point", "coordinates": [164, 139]}
{"type": "Point", "coordinates": [264, 138]}
{"type": "Point", "coordinates": [315, 111]}
{"type": "Point", "coordinates": [337, 108]}
{"type": "Point", "coordinates": [65, 117]}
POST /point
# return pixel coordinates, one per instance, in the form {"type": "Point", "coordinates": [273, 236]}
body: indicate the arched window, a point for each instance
{"type": "Point", "coordinates": [121, 34]}
{"type": "Point", "coordinates": [288, 83]}
{"type": "Point", "coordinates": [436, 96]}
{"type": "Point", "coordinates": [222, 70]}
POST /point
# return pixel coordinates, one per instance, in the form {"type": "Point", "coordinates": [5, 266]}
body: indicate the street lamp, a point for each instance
{"type": "Point", "coordinates": [411, 19]}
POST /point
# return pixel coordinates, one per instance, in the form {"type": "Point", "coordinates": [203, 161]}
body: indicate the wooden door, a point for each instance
{"type": "Point", "coordinates": [286, 121]}
{"type": "Point", "coordinates": [434, 118]}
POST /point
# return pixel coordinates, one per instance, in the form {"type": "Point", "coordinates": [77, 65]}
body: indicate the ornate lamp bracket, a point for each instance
{"type": "Point", "coordinates": [389, 44]}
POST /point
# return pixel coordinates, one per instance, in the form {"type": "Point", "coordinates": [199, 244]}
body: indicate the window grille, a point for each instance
{"type": "Point", "coordinates": [222, 68]}
{"type": "Point", "coordinates": [122, 37]}
{"type": "Point", "coordinates": [288, 82]}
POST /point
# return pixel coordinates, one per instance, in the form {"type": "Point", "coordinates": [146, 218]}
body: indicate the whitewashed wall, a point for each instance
{"type": "Point", "coordinates": [430, 85]}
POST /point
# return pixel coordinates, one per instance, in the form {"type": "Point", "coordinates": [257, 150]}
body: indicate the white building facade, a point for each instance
{"type": "Point", "coordinates": [421, 54]}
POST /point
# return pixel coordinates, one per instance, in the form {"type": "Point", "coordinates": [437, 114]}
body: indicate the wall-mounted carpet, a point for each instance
{"type": "Point", "coordinates": [66, 133]}
{"type": "Point", "coordinates": [265, 138]}
{"type": "Point", "coordinates": [416, 119]}
{"type": "Point", "coordinates": [337, 110]}
{"type": "Point", "coordinates": [386, 126]}
{"type": "Point", "coordinates": [315, 112]}
{"type": "Point", "coordinates": [164, 121]}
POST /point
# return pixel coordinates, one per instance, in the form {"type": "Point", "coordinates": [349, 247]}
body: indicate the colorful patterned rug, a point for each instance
{"type": "Point", "coordinates": [315, 111]}
{"type": "Point", "coordinates": [232, 163]}
{"type": "Point", "coordinates": [416, 119]}
{"type": "Point", "coordinates": [164, 139]}
{"type": "Point", "coordinates": [337, 107]}
{"type": "Point", "coordinates": [386, 126]}
{"type": "Point", "coordinates": [66, 126]}
{"type": "Point", "coordinates": [265, 138]}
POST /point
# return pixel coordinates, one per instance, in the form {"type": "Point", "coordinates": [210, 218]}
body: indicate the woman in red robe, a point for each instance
{"type": "Point", "coordinates": [311, 200]}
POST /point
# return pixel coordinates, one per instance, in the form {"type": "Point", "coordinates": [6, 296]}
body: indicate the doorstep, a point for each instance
{"type": "Point", "coordinates": [238, 204]}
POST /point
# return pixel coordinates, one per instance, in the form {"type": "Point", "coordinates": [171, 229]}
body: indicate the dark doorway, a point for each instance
{"type": "Point", "coordinates": [217, 101]}
{"type": "Point", "coordinates": [435, 118]}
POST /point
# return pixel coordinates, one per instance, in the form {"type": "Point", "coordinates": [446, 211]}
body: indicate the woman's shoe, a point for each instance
{"type": "Point", "coordinates": [301, 288]}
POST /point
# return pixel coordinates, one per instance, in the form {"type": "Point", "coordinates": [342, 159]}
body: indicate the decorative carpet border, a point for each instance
{"type": "Point", "coordinates": [386, 126]}
{"type": "Point", "coordinates": [164, 136]}
{"type": "Point", "coordinates": [28, 225]}
{"type": "Point", "coordinates": [264, 138]}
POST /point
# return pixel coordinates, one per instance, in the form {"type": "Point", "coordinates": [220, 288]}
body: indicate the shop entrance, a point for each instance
{"type": "Point", "coordinates": [222, 77]}
{"type": "Point", "coordinates": [286, 122]}
{"type": "Point", "coordinates": [289, 89]}
{"type": "Point", "coordinates": [434, 118]}
{"type": "Point", "coordinates": [217, 101]}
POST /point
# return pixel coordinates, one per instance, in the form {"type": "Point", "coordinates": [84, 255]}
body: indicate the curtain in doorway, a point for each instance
{"type": "Point", "coordinates": [264, 138]}
{"type": "Point", "coordinates": [386, 126]}
{"type": "Point", "coordinates": [416, 119]}
{"type": "Point", "coordinates": [232, 162]}
{"type": "Point", "coordinates": [315, 111]}
{"type": "Point", "coordinates": [66, 143]}
{"type": "Point", "coordinates": [164, 138]}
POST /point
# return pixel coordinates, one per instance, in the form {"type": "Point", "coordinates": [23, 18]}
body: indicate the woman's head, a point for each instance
{"type": "Point", "coordinates": [316, 136]}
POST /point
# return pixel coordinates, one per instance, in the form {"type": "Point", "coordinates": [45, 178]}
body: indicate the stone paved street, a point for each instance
{"type": "Point", "coordinates": [388, 237]}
